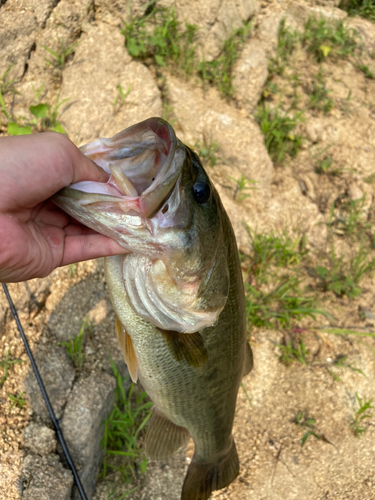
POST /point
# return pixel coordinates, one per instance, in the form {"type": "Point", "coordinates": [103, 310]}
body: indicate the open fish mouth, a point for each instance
{"type": "Point", "coordinates": [145, 162]}
{"type": "Point", "coordinates": [141, 163]}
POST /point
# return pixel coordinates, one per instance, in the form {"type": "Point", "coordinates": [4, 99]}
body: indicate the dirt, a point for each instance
{"type": "Point", "coordinates": [333, 463]}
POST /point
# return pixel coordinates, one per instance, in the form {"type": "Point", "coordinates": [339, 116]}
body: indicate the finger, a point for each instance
{"type": "Point", "coordinates": [83, 247]}
{"type": "Point", "coordinates": [39, 165]}
{"type": "Point", "coordinates": [78, 230]}
{"type": "Point", "coordinates": [48, 213]}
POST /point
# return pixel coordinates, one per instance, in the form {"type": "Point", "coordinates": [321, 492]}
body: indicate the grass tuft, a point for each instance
{"type": "Point", "coordinates": [5, 364]}
{"type": "Point", "coordinates": [74, 347]}
{"type": "Point", "coordinates": [360, 415]}
{"type": "Point", "coordinates": [363, 8]}
{"type": "Point", "coordinates": [122, 429]}
{"type": "Point", "coordinates": [324, 39]}
{"type": "Point", "coordinates": [278, 128]}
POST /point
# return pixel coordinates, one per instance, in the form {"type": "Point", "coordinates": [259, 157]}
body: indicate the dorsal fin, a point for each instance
{"type": "Point", "coordinates": [127, 348]}
{"type": "Point", "coordinates": [187, 346]}
{"type": "Point", "coordinates": [163, 437]}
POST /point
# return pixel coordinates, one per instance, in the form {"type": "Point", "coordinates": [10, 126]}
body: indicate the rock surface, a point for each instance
{"type": "Point", "coordinates": [102, 63]}
{"type": "Point", "coordinates": [58, 373]}
{"type": "Point", "coordinates": [250, 75]}
{"type": "Point", "coordinates": [88, 406]}
{"type": "Point", "coordinates": [39, 439]}
{"type": "Point", "coordinates": [45, 478]}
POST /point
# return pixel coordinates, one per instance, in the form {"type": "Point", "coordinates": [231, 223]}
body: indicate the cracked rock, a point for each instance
{"type": "Point", "coordinates": [45, 478]}
{"type": "Point", "coordinates": [57, 371]}
{"type": "Point", "coordinates": [39, 439]}
{"type": "Point", "coordinates": [88, 405]}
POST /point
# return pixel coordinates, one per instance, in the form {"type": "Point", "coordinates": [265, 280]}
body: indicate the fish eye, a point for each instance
{"type": "Point", "coordinates": [201, 191]}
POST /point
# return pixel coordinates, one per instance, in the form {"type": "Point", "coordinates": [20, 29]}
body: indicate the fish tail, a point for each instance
{"type": "Point", "coordinates": [203, 478]}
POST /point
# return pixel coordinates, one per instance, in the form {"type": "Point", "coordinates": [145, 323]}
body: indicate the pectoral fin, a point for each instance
{"type": "Point", "coordinates": [127, 348]}
{"type": "Point", "coordinates": [186, 346]}
{"type": "Point", "coordinates": [249, 363]}
{"type": "Point", "coordinates": [163, 437]}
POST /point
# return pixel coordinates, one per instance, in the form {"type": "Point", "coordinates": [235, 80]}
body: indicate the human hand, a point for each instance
{"type": "Point", "coordinates": [35, 235]}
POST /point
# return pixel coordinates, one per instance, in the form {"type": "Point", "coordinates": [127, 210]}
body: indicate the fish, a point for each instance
{"type": "Point", "coordinates": [177, 293]}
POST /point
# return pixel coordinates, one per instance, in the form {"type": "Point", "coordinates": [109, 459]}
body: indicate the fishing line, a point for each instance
{"type": "Point", "coordinates": [55, 422]}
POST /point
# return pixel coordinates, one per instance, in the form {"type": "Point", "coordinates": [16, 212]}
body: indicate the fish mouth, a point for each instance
{"type": "Point", "coordinates": [144, 162]}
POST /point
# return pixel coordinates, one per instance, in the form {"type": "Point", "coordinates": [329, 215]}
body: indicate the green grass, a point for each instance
{"type": "Point", "coordinates": [17, 401]}
{"type": "Point", "coordinates": [122, 429]}
{"type": "Point", "coordinates": [275, 295]}
{"type": "Point", "coordinates": [277, 306]}
{"type": "Point", "coordinates": [208, 152]}
{"type": "Point", "coordinates": [342, 276]}
{"type": "Point", "coordinates": [324, 39]}
{"type": "Point", "coordinates": [290, 353]}
{"type": "Point", "coordinates": [307, 423]}
{"type": "Point", "coordinates": [158, 37]}
{"type": "Point", "coordinates": [341, 362]}
{"type": "Point", "coordinates": [366, 71]}
{"type": "Point", "coordinates": [219, 72]}
{"type": "Point", "coordinates": [242, 185]}
{"type": "Point", "coordinates": [347, 219]}
{"type": "Point", "coordinates": [319, 95]}
{"type": "Point", "coordinates": [74, 347]}
{"type": "Point", "coordinates": [59, 57]}
{"type": "Point", "coordinates": [278, 127]}
{"type": "Point", "coordinates": [325, 166]}
{"type": "Point", "coordinates": [361, 414]}
{"type": "Point", "coordinates": [121, 97]}
{"type": "Point", "coordinates": [5, 364]}
{"type": "Point", "coordinates": [287, 42]}
{"type": "Point", "coordinates": [274, 251]}
{"type": "Point", "coordinates": [363, 8]}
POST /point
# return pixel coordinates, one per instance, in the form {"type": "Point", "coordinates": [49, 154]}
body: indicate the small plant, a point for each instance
{"type": "Point", "coordinates": [219, 71]}
{"type": "Point", "coordinates": [74, 347]}
{"type": "Point", "coordinates": [60, 55]}
{"type": "Point", "coordinates": [6, 364]}
{"type": "Point", "coordinates": [121, 97]}
{"type": "Point", "coordinates": [343, 277]}
{"type": "Point", "coordinates": [279, 305]}
{"type": "Point", "coordinates": [341, 362]}
{"type": "Point", "coordinates": [304, 421]}
{"type": "Point", "coordinates": [287, 42]}
{"type": "Point", "coordinates": [274, 250]}
{"type": "Point", "coordinates": [325, 39]}
{"type": "Point", "coordinates": [208, 151]}
{"type": "Point", "coordinates": [324, 165]}
{"type": "Point", "coordinates": [290, 353]}
{"type": "Point", "coordinates": [7, 84]}
{"type": "Point", "coordinates": [319, 96]}
{"type": "Point", "coordinates": [122, 429]}
{"type": "Point", "coordinates": [278, 129]}
{"type": "Point", "coordinates": [363, 8]}
{"type": "Point", "coordinates": [18, 401]}
{"type": "Point", "coordinates": [349, 218]}
{"type": "Point", "coordinates": [45, 118]}
{"type": "Point", "coordinates": [366, 71]}
{"type": "Point", "coordinates": [242, 185]}
{"type": "Point", "coordinates": [360, 415]}
{"type": "Point", "coordinates": [157, 36]}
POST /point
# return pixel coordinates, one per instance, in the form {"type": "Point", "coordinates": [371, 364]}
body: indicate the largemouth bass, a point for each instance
{"type": "Point", "coordinates": [177, 293]}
